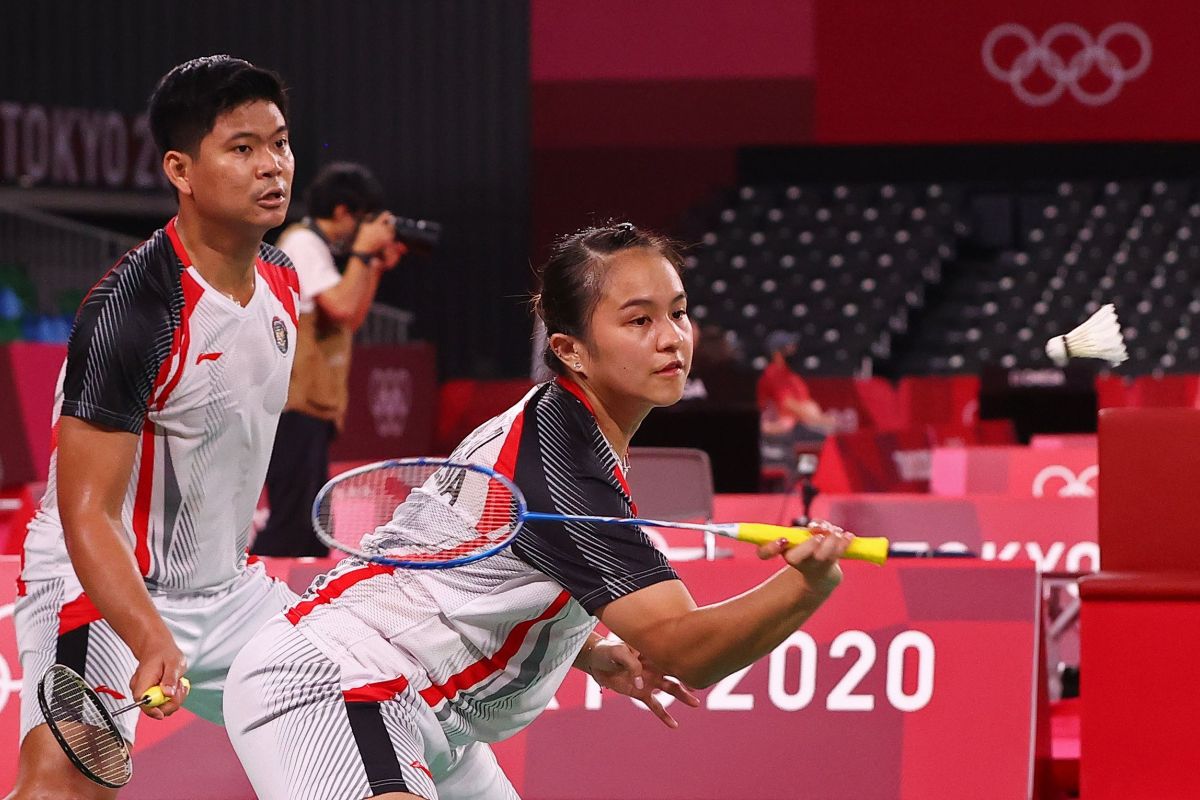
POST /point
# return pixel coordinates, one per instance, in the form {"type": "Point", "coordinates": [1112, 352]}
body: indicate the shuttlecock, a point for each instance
{"type": "Point", "coordinates": [1099, 337]}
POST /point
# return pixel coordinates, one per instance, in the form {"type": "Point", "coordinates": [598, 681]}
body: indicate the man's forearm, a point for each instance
{"type": "Point", "coordinates": [367, 297]}
{"type": "Point", "coordinates": [346, 303]}
{"type": "Point", "coordinates": [109, 574]}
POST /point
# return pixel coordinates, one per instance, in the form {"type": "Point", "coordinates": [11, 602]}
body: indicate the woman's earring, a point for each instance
{"type": "Point", "coordinates": [578, 366]}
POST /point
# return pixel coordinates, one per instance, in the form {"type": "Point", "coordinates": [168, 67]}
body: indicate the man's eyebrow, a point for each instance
{"type": "Point", "coordinates": [253, 135]}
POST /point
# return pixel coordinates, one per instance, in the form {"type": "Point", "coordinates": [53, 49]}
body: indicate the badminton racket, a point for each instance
{"type": "Point", "coordinates": [429, 513]}
{"type": "Point", "coordinates": [85, 729]}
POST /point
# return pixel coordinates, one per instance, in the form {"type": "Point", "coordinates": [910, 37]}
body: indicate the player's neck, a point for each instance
{"type": "Point", "coordinates": [223, 256]}
{"type": "Point", "coordinates": [617, 420]}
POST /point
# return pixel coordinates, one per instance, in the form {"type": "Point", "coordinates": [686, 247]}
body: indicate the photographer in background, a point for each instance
{"type": "Point", "coordinates": [790, 419]}
{"type": "Point", "coordinates": [340, 252]}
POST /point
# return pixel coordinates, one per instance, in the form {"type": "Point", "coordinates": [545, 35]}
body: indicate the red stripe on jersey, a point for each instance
{"type": "Point", "coordinates": [486, 667]}
{"type": "Point", "coordinates": [21, 587]}
{"type": "Point", "coordinates": [142, 498]}
{"type": "Point", "coordinates": [283, 283]}
{"type": "Point", "coordinates": [376, 692]}
{"type": "Point", "coordinates": [498, 505]}
{"type": "Point", "coordinates": [506, 462]}
{"type": "Point", "coordinates": [334, 589]}
{"type": "Point", "coordinates": [76, 614]}
{"type": "Point", "coordinates": [574, 388]}
{"type": "Point", "coordinates": [192, 291]}
{"type": "Point", "coordinates": [177, 243]}
{"type": "Point", "coordinates": [620, 476]}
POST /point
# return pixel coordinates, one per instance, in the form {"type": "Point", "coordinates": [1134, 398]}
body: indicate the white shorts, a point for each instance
{"type": "Point", "coordinates": [300, 738]}
{"type": "Point", "coordinates": [56, 623]}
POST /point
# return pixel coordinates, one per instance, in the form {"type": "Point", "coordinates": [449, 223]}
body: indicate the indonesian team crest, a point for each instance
{"type": "Point", "coordinates": [281, 335]}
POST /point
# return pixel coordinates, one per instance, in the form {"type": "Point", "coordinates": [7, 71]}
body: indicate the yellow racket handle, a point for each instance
{"type": "Point", "coordinates": [862, 548]}
{"type": "Point", "coordinates": [154, 697]}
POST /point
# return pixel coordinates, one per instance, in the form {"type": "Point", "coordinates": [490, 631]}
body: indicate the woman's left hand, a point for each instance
{"type": "Point", "coordinates": [617, 666]}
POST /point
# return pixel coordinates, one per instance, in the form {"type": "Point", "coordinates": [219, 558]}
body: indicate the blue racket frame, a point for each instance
{"type": "Point", "coordinates": [522, 516]}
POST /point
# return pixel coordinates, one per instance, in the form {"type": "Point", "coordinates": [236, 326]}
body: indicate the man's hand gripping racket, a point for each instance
{"type": "Point", "coordinates": [427, 513]}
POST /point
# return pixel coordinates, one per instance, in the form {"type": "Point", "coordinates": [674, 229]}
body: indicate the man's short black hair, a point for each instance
{"type": "Point", "coordinates": [344, 183]}
{"type": "Point", "coordinates": [187, 101]}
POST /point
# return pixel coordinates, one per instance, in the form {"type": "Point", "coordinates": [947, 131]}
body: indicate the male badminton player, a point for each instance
{"type": "Point", "coordinates": [390, 683]}
{"type": "Point", "coordinates": [135, 567]}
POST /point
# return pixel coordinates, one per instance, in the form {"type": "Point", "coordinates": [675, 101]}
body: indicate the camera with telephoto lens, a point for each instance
{"type": "Point", "coordinates": [418, 235]}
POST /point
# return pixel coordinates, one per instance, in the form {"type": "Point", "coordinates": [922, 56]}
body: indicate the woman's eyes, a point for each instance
{"type": "Point", "coordinates": [677, 314]}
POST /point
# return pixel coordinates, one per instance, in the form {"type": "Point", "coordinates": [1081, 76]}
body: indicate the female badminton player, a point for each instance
{"type": "Point", "coordinates": [385, 682]}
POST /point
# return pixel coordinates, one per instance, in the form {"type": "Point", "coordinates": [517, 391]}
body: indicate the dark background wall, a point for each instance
{"type": "Point", "coordinates": [432, 94]}
{"type": "Point", "coordinates": [639, 108]}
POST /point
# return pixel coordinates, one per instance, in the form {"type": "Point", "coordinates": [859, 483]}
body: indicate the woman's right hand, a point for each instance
{"type": "Point", "coordinates": [815, 558]}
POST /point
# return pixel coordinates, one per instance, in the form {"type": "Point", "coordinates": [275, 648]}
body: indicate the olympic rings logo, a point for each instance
{"type": "Point", "coordinates": [1073, 485]}
{"type": "Point", "coordinates": [1093, 54]}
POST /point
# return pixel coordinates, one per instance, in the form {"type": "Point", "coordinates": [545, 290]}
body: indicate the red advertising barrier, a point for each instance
{"type": "Point", "coordinates": [1140, 615]}
{"type": "Point", "coordinates": [917, 680]}
{"type": "Point", "coordinates": [28, 374]}
{"type": "Point", "coordinates": [1014, 471]}
{"type": "Point", "coordinates": [857, 403]}
{"type": "Point", "coordinates": [195, 755]}
{"type": "Point", "coordinates": [1054, 534]}
{"type": "Point", "coordinates": [1112, 391]}
{"type": "Point", "coordinates": [875, 461]}
{"type": "Point", "coordinates": [1058, 441]}
{"type": "Point", "coordinates": [922, 671]}
{"type": "Point", "coordinates": [1100, 70]}
{"type": "Point", "coordinates": [393, 403]}
{"type": "Point", "coordinates": [939, 400]}
{"type": "Point", "coordinates": [1166, 391]}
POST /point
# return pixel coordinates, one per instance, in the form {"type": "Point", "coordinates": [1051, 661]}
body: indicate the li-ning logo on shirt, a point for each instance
{"type": "Point", "coordinates": [281, 335]}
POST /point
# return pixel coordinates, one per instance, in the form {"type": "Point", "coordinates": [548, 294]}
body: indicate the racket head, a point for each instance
{"type": "Point", "coordinates": [84, 728]}
{"type": "Point", "coordinates": [419, 513]}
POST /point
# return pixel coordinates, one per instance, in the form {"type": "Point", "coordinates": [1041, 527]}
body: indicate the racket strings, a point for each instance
{"type": "Point", "coordinates": [420, 513]}
{"type": "Point", "coordinates": [75, 712]}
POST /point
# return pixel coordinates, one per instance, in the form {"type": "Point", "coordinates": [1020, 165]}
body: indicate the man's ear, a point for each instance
{"type": "Point", "coordinates": [177, 165]}
{"type": "Point", "coordinates": [570, 352]}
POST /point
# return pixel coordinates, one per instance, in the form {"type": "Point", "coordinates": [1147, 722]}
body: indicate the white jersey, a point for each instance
{"type": "Point", "coordinates": [201, 380]}
{"type": "Point", "coordinates": [487, 644]}
{"type": "Point", "coordinates": [313, 260]}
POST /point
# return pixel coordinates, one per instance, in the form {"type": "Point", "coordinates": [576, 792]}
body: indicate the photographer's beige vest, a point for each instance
{"type": "Point", "coordinates": [321, 372]}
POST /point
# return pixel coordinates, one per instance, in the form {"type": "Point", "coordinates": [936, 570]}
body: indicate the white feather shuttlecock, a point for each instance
{"type": "Point", "coordinates": [1099, 337]}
